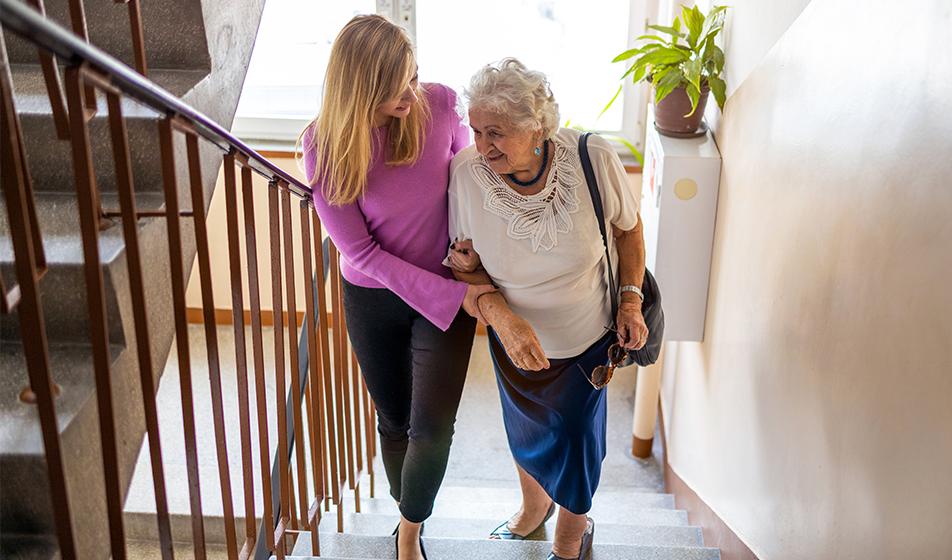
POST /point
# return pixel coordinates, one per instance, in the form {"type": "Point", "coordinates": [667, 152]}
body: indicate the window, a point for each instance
{"type": "Point", "coordinates": [282, 89]}
{"type": "Point", "coordinates": [572, 41]}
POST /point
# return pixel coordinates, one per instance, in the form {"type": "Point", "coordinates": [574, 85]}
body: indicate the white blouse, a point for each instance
{"type": "Point", "coordinates": [544, 251]}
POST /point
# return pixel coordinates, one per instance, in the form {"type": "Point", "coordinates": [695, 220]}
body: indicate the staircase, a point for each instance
{"type": "Point", "coordinates": [630, 524]}
{"type": "Point", "coordinates": [634, 519]}
{"type": "Point", "coordinates": [198, 50]}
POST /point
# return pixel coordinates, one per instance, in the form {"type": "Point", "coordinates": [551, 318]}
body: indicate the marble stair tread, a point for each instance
{"type": "Point", "coordinates": [62, 291]}
{"type": "Point", "coordinates": [49, 158]}
{"type": "Point", "coordinates": [31, 97]}
{"type": "Point", "coordinates": [619, 511]}
{"type": "Point", "coordinates": [473, 491]}
{"type": "Point", "coordinates": [373, 524]}
{"type": "Point", "coordinates": [357, 546]}
{"type": "Point", "coordinates": [58, 217]}
{"type": "Point", "coordinates": [175, 32]}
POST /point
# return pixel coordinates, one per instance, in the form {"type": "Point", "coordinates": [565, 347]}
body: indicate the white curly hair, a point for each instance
{"type": "Point", "coordinates": [520, 95]}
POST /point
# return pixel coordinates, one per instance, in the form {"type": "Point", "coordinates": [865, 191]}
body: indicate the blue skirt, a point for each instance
{"type": "Point", "coordinates": [555, 421]}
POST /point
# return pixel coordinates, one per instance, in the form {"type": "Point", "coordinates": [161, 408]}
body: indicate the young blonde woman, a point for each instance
{"type": "Point", "coordinates": [378, 159]}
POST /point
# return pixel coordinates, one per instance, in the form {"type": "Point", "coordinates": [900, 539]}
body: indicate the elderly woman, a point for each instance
{"type": "Point", "coordinates": [524, 221]}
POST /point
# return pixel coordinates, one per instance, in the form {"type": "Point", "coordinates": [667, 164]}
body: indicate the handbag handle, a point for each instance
{"type": "Point", "coordinates": [596, 196]}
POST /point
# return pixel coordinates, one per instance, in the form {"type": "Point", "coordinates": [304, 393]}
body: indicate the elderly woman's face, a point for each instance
{"type": "Point", "coordinates": [506, 148]}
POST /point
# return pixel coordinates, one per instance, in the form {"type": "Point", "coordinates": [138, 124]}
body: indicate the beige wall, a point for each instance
{"type": "Point", "coordinates": [816, 417]}
{"type": "Point", "coordinates": [218, 243]}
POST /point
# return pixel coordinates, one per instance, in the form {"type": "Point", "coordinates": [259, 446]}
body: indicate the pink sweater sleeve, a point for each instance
{"type": "Point", "coordinates": [435, 297]}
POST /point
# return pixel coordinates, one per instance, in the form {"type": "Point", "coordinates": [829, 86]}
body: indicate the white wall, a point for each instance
{"type": "Point", "coordinates": [218, 244]}
{"type": "Point", "coordinates": [816, 417]}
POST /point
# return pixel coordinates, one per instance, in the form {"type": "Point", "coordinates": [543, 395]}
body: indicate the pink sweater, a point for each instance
{"type": "Point", "coordinates": [395, 236]}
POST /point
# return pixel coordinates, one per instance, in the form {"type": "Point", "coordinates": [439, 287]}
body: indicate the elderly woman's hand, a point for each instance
{"type": "Point", "coordinates": [463, 257]}
{"type": "Point", "coordinates": [520, 342]}
{"type": "Point", "coordinates": [632, 330]}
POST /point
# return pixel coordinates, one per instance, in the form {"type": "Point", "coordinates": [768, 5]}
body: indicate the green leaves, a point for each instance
{"type": "Point", "coordinates": [665, 80]}
{"type": "Point", "coordinates": [626, 55]}
{"type": "Point", "coordinates": [675, 33]}
{"type": "Point", "coordinates": [694, 20]}
{"type": "Point", "coordinates": [694, 94]}
{"type": "Point", "coordinates": [719, 89]}
{"type": "Point", "coordinates": [611, 101]}
{"type": "Point", "coordinates": [669, 63]}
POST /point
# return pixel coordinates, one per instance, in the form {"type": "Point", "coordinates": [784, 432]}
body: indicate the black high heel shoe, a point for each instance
{"type": "Point", "coordinates": [396, 542]}
{"type": "Point", "coordinates": [502, 532]}
{"type": "Point", "coordinates": [585, 550]}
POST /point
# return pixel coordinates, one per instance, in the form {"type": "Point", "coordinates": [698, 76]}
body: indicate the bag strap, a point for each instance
{"type": "Point", "coordinates": [594, 192]}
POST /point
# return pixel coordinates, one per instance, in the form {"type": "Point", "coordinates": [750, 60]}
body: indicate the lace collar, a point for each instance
{"type": "Point", "coordinates": [539, 217]}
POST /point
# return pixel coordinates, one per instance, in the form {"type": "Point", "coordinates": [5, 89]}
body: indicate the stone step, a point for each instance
{"type": "Point", "coordinates": [49, 158]}
{"type": "Point", "coordinates": [174, 31]}
{"type": "Point", "coordinates": [373, 524]}
{"type": "Point", "coordinates": [510, 494]}
{"type": "Point", "coordinates": [23, 483]}
{"type": "Point", "coordinates": [62, 289]}
{"type": "Point", "coordinates": [619, 512]}
{"type": "Point", "coordinates": [359, 546]}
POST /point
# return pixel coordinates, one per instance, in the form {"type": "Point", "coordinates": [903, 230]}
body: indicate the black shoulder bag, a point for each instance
{"type": "Point", "coordinates": [651, 306]}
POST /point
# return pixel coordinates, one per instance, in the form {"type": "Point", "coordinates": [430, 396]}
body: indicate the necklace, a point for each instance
{"type": "Point", "coordinates": [534, 180]}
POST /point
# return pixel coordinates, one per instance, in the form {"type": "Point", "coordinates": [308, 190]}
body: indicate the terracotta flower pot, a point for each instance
{"type": "Point", "coordinates": [669, 113]}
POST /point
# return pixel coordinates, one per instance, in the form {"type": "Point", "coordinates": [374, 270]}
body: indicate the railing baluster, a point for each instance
{"type": "Point", "coordinates": [293, 347]}
{"type": "Point", "coordinates": [276, 308]}
{"type": "Point", "coordinates": [177, 268]}
{"type": "Point", "coordinates": [54, 88]}
{"type": "Point", "coordinates": [241, 358]}
{"type": "Point", "coordinates": [88, 203]}
{"type": "Point", "coordinates": [338, 315]}
{"type": "Point", "coordinates": [315, 414]}
{"type": "Point", "coordinates": [77, 15]}
{"type": "Point", "coordinates": [138, 39]}
{"type": "Point", "coordinates": [130, 226]}
{"type": "Point", "coordinates": [27, 252]}
{"type": "Point", "coordinates": [211, 338]}
{"type": "Point", "coordinates": [345, 377]}
{"type": "Point", "coordinates": [261, 395]}
{"type": "Point", "coordinates": [333, 482]}
{"type": "Point", "coordinates": [358, 412]}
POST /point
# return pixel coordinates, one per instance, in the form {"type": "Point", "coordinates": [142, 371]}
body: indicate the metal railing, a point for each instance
{"type": "Point", "coordinates": [325, 418]}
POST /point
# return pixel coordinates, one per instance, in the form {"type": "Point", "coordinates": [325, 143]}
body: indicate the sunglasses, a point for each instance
{"type": "Point", "coordinates": [601, 375]}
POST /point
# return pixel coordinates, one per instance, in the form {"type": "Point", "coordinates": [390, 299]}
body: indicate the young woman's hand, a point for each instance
{"type": "Point", "coordinates": [470, 302]}
{"type": "Point", "coordinates": [463, 257]}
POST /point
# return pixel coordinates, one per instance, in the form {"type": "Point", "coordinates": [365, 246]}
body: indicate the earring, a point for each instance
{"type": "Point", "coordinates": [538, 151]}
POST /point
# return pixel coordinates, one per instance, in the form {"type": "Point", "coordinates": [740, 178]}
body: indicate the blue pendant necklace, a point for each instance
{"type": "Point", "coordinates": [534, 180]}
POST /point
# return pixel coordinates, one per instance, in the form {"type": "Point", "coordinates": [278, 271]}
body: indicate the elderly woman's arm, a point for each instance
{"type": "Point", "coordinates": [632, 331]}
{"type": "Point", "coordinates": [516, 335]}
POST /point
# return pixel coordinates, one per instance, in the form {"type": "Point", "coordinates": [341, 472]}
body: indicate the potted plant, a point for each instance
{"type": "Point", "coordinates": [683, 67]}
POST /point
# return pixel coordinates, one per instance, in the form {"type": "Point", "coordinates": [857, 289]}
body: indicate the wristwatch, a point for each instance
{"type": "Point", "coordinates": [632, 288]}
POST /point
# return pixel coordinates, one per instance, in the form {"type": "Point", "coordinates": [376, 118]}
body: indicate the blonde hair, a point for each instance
{"type": "Point", "coordinates": [521, 95]}
{"type": "Point", "coordinates": [371, 62]}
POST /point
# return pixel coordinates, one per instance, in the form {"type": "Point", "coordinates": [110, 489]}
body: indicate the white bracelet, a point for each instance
{"type": "Point", "coordinates": [632, 288]}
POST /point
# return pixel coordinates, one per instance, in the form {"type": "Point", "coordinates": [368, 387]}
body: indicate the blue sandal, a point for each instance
{"type": "Point", "coordinates": [503, 533]}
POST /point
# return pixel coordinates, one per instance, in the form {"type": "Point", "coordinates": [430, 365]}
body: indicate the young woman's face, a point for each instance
{"type": "Point", "coordinates": [506, 148]}
{"type": "Point", "coordinates": [399, 107]}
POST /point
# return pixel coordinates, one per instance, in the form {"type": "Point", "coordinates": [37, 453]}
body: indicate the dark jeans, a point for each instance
{"type": "Point", "coordinates": [415, 374]}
